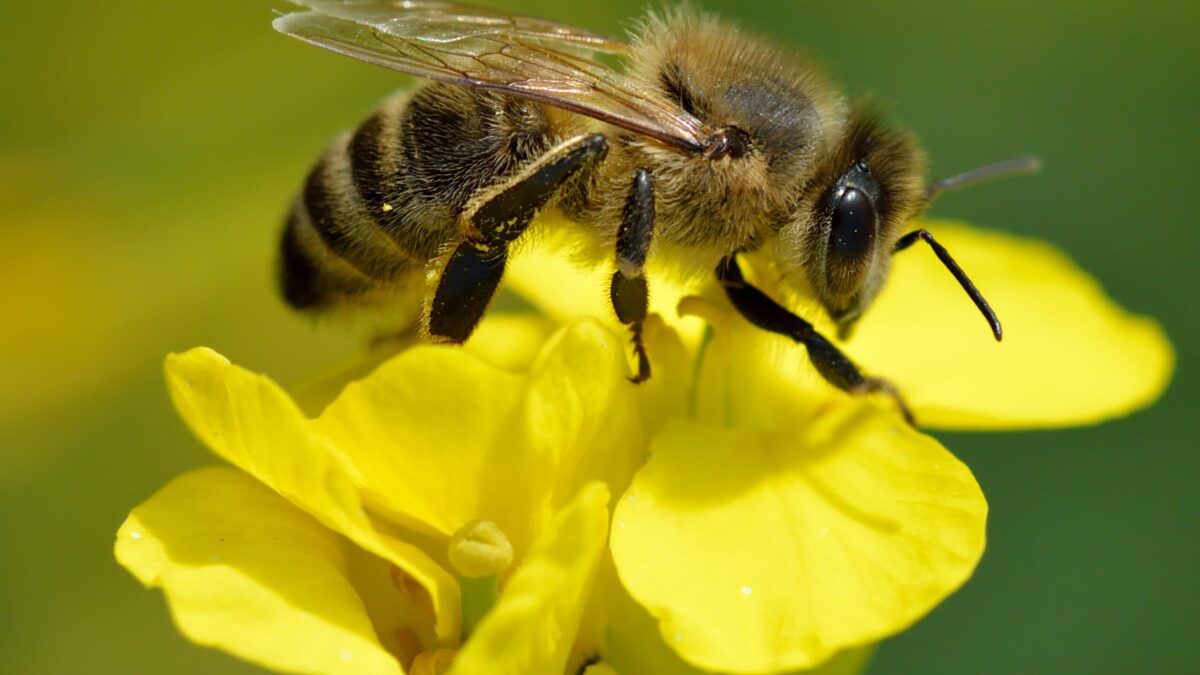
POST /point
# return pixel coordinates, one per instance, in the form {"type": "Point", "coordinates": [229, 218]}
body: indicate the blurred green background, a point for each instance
{"type": "Point", "coordinates": [148, 149]}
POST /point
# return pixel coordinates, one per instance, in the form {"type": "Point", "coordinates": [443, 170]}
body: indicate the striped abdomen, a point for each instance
{"type": "Point", "coordinates": [384, 201]}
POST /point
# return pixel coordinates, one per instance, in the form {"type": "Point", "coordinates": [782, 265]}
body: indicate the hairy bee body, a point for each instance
{"type": "Point", "coordinates": [387, 200]}
{"type": "Point", "coordinates": [709, 144]}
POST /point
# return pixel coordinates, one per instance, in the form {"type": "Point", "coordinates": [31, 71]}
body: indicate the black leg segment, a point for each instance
{"type": "Point", "coordinates": [829, 361]}
{"type": "Point", "coordinates": [629, 291]}
{"type": "Point", "coordinates": [502, 215]}
{"type": "Point", "coordinates": [494, 219]}
{"type": "Point", "coordinates": [464, 291]}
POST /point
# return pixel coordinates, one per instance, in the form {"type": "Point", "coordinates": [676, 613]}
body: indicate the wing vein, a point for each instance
{"type": "Point", "coordinates": [487, 49]}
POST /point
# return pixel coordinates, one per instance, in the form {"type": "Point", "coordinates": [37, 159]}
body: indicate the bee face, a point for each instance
{"type": "Point", "coordinates": [842, 235]}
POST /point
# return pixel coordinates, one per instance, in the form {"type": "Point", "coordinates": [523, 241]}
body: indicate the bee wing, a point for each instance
{"type": "Point", "coordinates": [488, 49]}
{"type": "Point", "coordinates": [439, 20]}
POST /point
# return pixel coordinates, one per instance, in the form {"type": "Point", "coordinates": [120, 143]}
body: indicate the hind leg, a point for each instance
{"type": "Point", "coordinates": [496, 217]}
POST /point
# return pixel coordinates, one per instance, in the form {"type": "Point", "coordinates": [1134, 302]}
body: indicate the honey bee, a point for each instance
{"type": "Point", "coordinates": [700, 141]}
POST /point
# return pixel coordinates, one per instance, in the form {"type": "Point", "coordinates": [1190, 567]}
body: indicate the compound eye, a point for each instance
{"type": "Point", "coordinates": [851, 240]}
{"type": "Point", "coordinates": [853, 229]}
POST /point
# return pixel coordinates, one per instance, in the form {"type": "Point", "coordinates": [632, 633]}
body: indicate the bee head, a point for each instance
{"type": "Point", "coordinates": [847, 224]}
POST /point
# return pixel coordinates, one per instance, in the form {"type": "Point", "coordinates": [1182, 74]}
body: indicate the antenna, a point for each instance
{"type": "Point", "coordinates": [959, 275]}
{"type": "Point", "coordinates": [1012, 167]}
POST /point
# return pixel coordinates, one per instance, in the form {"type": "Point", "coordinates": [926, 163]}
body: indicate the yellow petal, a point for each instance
{"type": "Point", "coordinates": [251, 422]}
{"type": "Point", "coordinates": [852, 661]}
{"type": "Point", "coordinates": [246, 572]}
{"type": "Point", "coordinates": [439, 438]}
{"type": "Point", "coordinates": [668, 392]}
{"type": "Point", "coordinates": [1070, 355]}
{"type": "Point", "coordinates": [749, 378]}
{"type": "Point", "coordinates": [767, 552]}
{"type": "Point", "coordinates": [632, 644]}
{"type": "Point", "coordinates": [551, 274]}
{"type": "Point", "coordinates": [420, 431]}
{"type": "Point", "coordinates": [580, 414]}
{"type": "Point", "coordinates": [510, 341]}
{"type": "Point", "coordinates": [561, 273]}
{"type": "Point", "coordinates": [531, 630]}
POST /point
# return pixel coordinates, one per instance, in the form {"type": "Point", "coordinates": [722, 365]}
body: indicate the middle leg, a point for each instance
{"type": "Point", "coordinates": [629, 292]}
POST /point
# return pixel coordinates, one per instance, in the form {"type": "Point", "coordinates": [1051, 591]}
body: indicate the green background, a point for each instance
{"type": "Point", "coordinates": [148, 149]}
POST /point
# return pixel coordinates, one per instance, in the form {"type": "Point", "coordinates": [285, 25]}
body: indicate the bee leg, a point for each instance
{"type": "Point", "coordinates": [629, 293]}
{"type": "Point", "coordinates": [830, 362]}
{"type": "Point", "coordinates": [494, 218]}
{"type": "Point", "coordinates": [464, 291]}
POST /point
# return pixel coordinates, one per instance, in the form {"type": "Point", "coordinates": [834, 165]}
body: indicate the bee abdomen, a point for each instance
{"type": "Point", "coordinates": [332, 250]}
{"type": "Point", "coordinates": [382, 178]}
{"type": "Point", "coordinates": [312, 276]}
{"type": "Point", "coordinates": [423, 155]}
{"type": "Point", "coordinates": [385, 200]}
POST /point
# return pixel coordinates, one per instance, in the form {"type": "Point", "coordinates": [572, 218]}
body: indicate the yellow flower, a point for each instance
{"type": "Point", "coordinates": [348, 572]}
{"type": "Point", "coordinates": [764, 522]}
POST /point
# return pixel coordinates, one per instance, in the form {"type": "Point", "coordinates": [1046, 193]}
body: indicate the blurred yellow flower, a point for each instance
{"type": "Point", "coordinates": [765, 522]}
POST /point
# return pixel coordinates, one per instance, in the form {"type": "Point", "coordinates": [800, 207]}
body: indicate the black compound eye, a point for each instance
{"type": "Point", "coordinates": [853, 228]}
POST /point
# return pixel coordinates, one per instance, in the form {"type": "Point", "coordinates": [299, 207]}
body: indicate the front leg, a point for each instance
{"type": "Point", "coordinates": [830, 362]}
{"type": "Point", "coordinates": [629, 293]}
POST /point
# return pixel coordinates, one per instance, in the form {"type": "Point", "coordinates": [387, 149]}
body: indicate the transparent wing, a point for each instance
{"type": "Point", "coordinates": [441, 21]}
{"type": "Point", "coordinates": [488, 49]}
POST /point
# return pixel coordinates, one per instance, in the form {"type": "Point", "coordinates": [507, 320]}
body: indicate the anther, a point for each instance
{"type": "Point", "coordinates": [480, 549]}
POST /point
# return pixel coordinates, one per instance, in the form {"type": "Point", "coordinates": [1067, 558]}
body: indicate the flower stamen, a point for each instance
{"type": "Point", "coordinates": [479, 552]}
